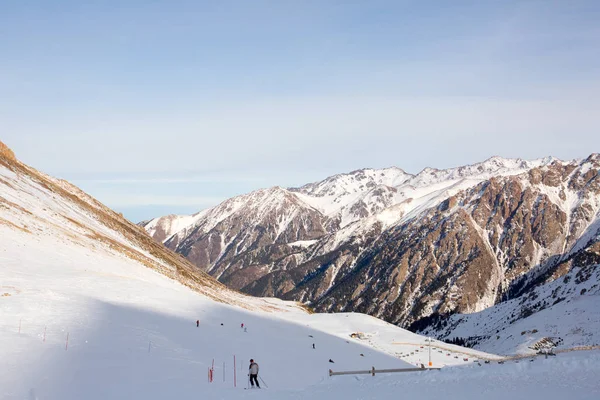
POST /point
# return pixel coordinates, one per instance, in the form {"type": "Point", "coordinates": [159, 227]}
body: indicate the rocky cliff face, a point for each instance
{"type": "Point", "coordinates": [404, 247]}
{"type": "Point", "coordinates": [478, 247]}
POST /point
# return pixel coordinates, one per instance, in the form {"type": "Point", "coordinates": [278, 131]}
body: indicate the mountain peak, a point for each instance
{"type": "Point", "coordinates": [6, 152]}
{"type": "Point", "coordinates": [353, 182]}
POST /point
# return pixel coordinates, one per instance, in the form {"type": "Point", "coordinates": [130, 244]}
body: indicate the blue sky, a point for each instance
{"type": "Point", "coordinates": [160, 107]}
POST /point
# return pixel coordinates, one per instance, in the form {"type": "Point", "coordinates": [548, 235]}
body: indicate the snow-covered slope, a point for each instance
{"type": "Point", "coordinates": [163, 228]}
{"type": "Point", "coordinates": [40, 206]}
{"type": "Point", "coordinates": [81, 323]}
{"type": "Point", "coordinates": [130, 328]}
{"type": "Point", "coordinates": [564, 313]}
{"type": "Point", "coordinates": [566, 376]}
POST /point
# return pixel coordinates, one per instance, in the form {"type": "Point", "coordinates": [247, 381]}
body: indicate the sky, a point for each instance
{"type": "Point", "coordinates": [169, 107]}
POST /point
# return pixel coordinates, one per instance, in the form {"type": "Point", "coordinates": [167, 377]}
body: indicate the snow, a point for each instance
{"type": "Point", "coordinates": [114, 309]}
{"type": "Point", "coordinates": [136, 330]}
{"type": "Point", "coordinates": [302, 243]}
{"type": "Point", "coordinates": [575, 319]}
{"type": "Point", "coordinates": [132, 334]}
{"type": "Point", "coordinates": [562, 377]}
{"type": "Point", "coordinates": [172, 224]}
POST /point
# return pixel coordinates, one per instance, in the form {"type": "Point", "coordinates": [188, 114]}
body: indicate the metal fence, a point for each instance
{"type": "Point", "coordinates": [373, 371]}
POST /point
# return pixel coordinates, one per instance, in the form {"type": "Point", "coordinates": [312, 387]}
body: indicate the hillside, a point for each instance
{"type": "Point", "coordinates": [562, 314]}
{"type": "Point", "coordinates": [43, 207]}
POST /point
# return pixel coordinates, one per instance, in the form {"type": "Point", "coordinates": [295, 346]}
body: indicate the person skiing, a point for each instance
{"type": "Point", "coordinates": [253, 373]}
{"type": "Point", "coordinates": [242, 325]}
{"type": "Point", "coordinates": [197, 323]}
{"type": "Point", "coordinates": [313, 345]}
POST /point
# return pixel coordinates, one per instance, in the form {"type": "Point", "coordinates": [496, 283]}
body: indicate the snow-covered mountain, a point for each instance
{"type": "Point", "coordinates": [399, 246]}
{"type": "Point", "coordinates": [92, 308]}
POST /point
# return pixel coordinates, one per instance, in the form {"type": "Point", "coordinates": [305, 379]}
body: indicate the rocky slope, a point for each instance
{"type": "Point", "coordinates": [399, 246]}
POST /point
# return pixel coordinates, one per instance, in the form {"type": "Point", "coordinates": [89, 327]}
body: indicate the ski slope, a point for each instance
{"type": "Point", "coordinates": [132, 330]}
{"type": "Point", "coordinates": [132, 335]}
{"type": "Point", "coordinates": [567, 376]}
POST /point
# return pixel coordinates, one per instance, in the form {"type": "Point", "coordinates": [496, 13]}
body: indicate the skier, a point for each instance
{"type": "Point", "coordinates": [197, 323]}
{"type": "Point", "coordinates": [313, 345]}
{"type": "Point", "coordinates": [330, 360]}
{"type": "Point", "coordinates": [253, 373]}
{"type": "Point", "coordinates": [242, 325]}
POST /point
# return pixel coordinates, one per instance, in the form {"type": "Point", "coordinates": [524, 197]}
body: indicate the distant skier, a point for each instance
{"type": "Point", "coordinates": [253, 373]}
{"type": "Point", "coordinates": [197, 323]}
{"type": "Point", "coordinates": [242, 326]}
{"type": "Point", "coordinates": [330, 360]}
{"type": "Point", "coordinates": [313, 345]}
{"type": "Point", "coordinates": [245, 329]}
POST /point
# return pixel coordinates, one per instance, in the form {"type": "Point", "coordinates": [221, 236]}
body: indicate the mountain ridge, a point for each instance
{"type": "Point", "coordinates": [503, 225]}
{"type": "Point", "coordinates": [416, 179]}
